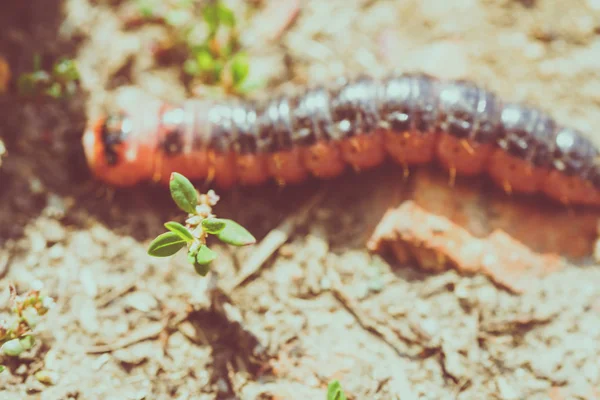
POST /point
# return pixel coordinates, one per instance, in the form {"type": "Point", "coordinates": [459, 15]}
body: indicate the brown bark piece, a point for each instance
{"type": "Point", "coordinates": [538, 223]}
{"type": "Point", "coordinates": [438, 243]}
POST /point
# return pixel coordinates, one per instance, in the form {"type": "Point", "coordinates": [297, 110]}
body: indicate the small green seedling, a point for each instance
{"type": "Point", "coordinates": [16, 333]}
{"type": "Point", "coordinates": [335, 391]}
{"type": "Point", "coordinates": [214, 59]}
{"type": "Point", "coordinates": [58, 83]}
{"type": "Point", "coordinates": [200, 223]}
{"type": "Point", "coordinates": [218, 60]}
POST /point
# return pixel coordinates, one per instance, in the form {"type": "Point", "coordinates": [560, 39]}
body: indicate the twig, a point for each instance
{"type": "Point", "coordinates": [197, 336]}
{"type": "Point", "coordinates": [5, 261]}
{"type": "Point", "coordinates": [114, 294]}
{"type": "Point", "coordinates": [148, 332]}
{"type": "Point", "coordinates": [273, 241]}
{"type": "Point", "coordinates": [154, 330]}
{"type": "Point", "coordinates": [398, 383]}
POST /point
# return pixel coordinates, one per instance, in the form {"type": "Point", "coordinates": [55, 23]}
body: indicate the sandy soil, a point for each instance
{"type": "Point", "coordinates": [128, 326]}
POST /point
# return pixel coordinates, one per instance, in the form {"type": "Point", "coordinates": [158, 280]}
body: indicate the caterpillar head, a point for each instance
{"type": "Point", "coordinates": [116, 152]}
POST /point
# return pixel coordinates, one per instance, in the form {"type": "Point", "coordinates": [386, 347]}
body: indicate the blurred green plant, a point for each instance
{"type": "Point", "coordinates": [212, 52]}
{"type": "Point", "coordinates": [59, 83]}
{"type": "Point", "coordinates": [218, 59]}
{"type": "Point", "coordinates": [200, 223]}
{"type": "Point", "coordinates": [335, 391]}
{"type": "Point", "coordinates": [16, 333]}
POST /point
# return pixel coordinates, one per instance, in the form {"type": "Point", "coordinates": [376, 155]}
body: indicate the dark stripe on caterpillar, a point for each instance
{"type": "Point", "coordinates": [469, 112]}
{"type": "Point", "coordinates": [414, 118]}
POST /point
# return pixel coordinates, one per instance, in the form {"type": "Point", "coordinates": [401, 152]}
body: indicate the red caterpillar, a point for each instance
{"type": "Point", "coordinates": [413, 118]}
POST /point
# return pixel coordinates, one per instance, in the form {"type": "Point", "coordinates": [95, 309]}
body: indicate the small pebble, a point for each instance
{"type": "Point", "coordinates": [52, 230]}
{"type": "Point", "coordinates": [594, 4]}
{"type": "Point", "coordinates": [141, 301]}
{"type": "Point", "coordinates": [47, 377]}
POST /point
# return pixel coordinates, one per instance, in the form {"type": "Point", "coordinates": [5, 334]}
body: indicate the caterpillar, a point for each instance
{"type": "Point", "coordinates": [412, 118]}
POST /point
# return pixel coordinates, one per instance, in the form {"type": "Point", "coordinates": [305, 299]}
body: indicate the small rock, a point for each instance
{"type": "Point", "coordinates": [21, 369]}
{"type": "Point", "coordinates": [141, 301]}
{"type": "Point", "coordinates": [47, 377]}
{"type": "Point", "coordinates": [507, 390]}
{"type": "Point", "coordinates": [135, 354]}
{"type": "Point", "coordinates": [37, 242]}
{"type": "Point", "coordinates": [56, 252]}
{"type": "Point", "coordinates": [88, 315]}
{"type": "Point", "coordinates": [34, 386]}
{"type": "Point", "coordinates": [594, 4]}
{"type": "Point", "coordinates": [454, 364]}
{"type": "Point", "coordinates": [89, 282]}
{"type": "Point", "coordinates": [534, 51]}
{"type": "Point", "coordinates": [590, 370]}
{"type": "Point", "coordinates": [84, 247]}
{"type": "Point", "coordinates": [52, 230]}
{"type": "Point", "coordinates": [547, 363]}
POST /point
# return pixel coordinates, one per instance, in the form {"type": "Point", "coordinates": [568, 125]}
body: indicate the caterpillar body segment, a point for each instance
{"type": "Point", "coordinates": [413, 119]}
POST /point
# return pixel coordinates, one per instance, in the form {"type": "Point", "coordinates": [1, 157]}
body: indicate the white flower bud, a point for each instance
{"type": "Point", "coordinates": [195, 220]}
{"type": "Point", "coordinates": [48, 303]}
{"type": "Point", "coordinates": [31, 316]}
{"type": "Point", "coordinates": [203, 209]}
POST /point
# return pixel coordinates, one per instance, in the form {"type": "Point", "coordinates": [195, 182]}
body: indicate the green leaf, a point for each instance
{"type": "Point", "coordinates": [210, 14]}
{"type": "Point", "coordinates": [225, 15]}
{"type": "Point", "coordinates": [201, 269]}
{"type": "Point", "coordinates": [235, 234]}
{"type": "Point", "coordinates": [216, 72]}
{"type": "Point", "coordinates": [180, 230]}
{"type": "Point", "coordinates": [191, 256]}
{"type": "Point", "coordinates": [2, 368]}
{"type": "Point", "coordinates": [66, 69]}
{"type": "Point", "coordinates": [166, 245]}
{"type": "Point", "coordinates": [145, 8]}
{"type": "Point", "coordinates": [205, 60]}
{"type": "Point", "coordinates": [250, 85]}
{"type": "Point", "coordinates": [239, 68]}
{"type": "Point", "coordinates": [201, 258]}
{"type": "Point", "coordinates": [213, 225]}
{"type": "Point", "coordinates": [27, 342]}
{"type": "Point", "coordinates": [55, 90]}
{"type": "Point", "coordinates": [183, 192]}
{"type": "Point", "coordinates": [205, 255]}
{"type": "Point", "coordinates": [12, 348]}
{"type": "Point", "coordinates": [190, 67]}
{"type": "Point", "coordinates": [335, 392]}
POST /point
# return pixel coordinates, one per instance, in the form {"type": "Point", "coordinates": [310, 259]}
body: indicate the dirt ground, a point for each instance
{"type": "Point", "coordinates": [128, 326]}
